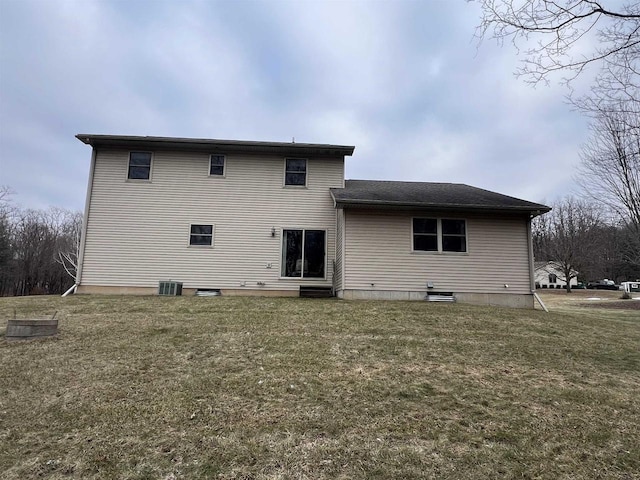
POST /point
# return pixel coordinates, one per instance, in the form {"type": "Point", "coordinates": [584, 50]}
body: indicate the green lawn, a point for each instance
{"type": "Point", "coordinates": [261, 388]}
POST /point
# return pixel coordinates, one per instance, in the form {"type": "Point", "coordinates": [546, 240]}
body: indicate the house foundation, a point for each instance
{"type": "Point", "coordinates": [497, 299]}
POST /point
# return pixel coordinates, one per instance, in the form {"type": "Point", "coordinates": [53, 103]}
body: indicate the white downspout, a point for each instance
{"type": "Point", "coordinates": [85, 220]}
{"type": "Point", "coordinates": [532, 280]}
{"type": "Point", "coordinates": [74, 287]}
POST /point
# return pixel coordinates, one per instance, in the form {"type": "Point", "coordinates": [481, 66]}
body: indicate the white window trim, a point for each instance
{"type": "Point", "coordinates": [440, 251]}
{"type": "Point", "coordinates": [213, 235]}
{"type": "Point", "coordinates": [306, 174]}
{"type": "Point", "coordinates": [326, 257]}
{"type": "Point", "coordinates": [139, 180]}
{"type": "Point", "coordinates": [224, 165]}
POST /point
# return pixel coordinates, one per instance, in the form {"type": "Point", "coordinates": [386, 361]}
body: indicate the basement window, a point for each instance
{"type": "Point", "coordinates": [201, 235]}
{"type": "Point", "coordinates": [139, 166]}
{"type": "Point", "coordinates": [439, 235]}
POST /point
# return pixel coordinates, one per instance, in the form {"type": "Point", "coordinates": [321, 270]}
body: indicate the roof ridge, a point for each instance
{"type": "Point", "coordinates": [401, 181]}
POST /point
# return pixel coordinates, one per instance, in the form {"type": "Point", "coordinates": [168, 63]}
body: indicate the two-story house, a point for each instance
{"type": "Point", "coordinates": [269, 218]}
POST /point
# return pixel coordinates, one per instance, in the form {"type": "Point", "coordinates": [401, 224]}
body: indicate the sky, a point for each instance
{"type": "Point", "coordinates": [404, 81]}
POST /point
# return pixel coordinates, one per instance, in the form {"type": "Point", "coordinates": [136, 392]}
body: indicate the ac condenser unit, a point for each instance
{"type": "Point", "coordinates": [170, 288]}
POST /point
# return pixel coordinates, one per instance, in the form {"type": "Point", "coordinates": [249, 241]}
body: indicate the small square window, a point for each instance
{"type": "Point", "coordinates": [201, 235]}
{"type": "Point", "coordinates": [216, 165]}
{"type": "Point", "coordinates": [295, 172]}
{"type": "Point", "coordinates": [139, 166]}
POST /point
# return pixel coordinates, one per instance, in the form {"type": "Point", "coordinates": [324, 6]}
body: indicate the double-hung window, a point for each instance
{"type": "Point", "coordinates": [295, 172]}
{"type": "Point", "coordinates": [201, 235]}
{"type": "Point", "coordinates": [454, 235]}
{"type": "Point", "coordinates": [139, 166]}
{"type": "Point", "coordinates": [216, 165]}
{"type": "Point", "coordinates": [439, 235]}
{"type": "Point", "coordinates": [425, 234]}
{"type": "Point", "coordinates": [303, 253]}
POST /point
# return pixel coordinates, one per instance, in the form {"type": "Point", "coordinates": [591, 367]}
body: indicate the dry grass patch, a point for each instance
{"type": "Point", "coordinates": [581, 301]}
{"type": "Point", "coordinates": [159, 388]}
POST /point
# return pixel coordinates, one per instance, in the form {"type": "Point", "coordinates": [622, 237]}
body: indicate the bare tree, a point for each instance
{"type": "Point", "coordinates": [610, 173]}
{"type": "Point", "coordinates": [68, 250]}
{"type": "Point", "coordinates": [29, 258]}
{"type": "Point", "coordinates": [568, 237]}
{"type": "Point", "coordinates": [558, 36]}
{"type": "Point", "coordinates": [5, 236]}
{"type": "Point", "coordinates": [5, 200]}
{"type": "Point", "coordinates": [610, 168]}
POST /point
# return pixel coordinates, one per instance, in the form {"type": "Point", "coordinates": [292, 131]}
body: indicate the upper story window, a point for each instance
{"type": "Point", "coordinates": [439, 235]}
{"type": "Point", "coordinates": [201, 235]}
{"type": "Point", "coordinates": [216, 165]}
{"type": "Point", "coordinates": [295, 173]}
{"type": "Point", "coordinates": [139, 166]}
{"type": "Point", "coordinates": [553, 278]}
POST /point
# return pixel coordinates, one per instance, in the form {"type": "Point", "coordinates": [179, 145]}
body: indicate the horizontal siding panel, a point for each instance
{"type": "Point", "coordinates": [378, 252]}
{"type": "Point", "coordinates": [138, 232]}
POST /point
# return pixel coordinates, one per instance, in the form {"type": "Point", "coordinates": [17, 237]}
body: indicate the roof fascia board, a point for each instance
{"type": "Point", "coordinates": [214, 146]}
{"type": "Point", "coordinates": [390, 205]}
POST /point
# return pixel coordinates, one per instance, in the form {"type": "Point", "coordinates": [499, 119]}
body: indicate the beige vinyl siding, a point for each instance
{"type": "Point", "coordinates": [379, 247]}
{"type": "Point", "coordinates": [138, 232]}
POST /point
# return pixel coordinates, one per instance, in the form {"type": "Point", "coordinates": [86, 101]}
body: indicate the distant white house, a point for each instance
{"type": "Point", "coordinates": [548, 275]}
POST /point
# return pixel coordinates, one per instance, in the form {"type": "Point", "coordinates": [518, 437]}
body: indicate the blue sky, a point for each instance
{"type": "Point", "coordinates": [403, 81]}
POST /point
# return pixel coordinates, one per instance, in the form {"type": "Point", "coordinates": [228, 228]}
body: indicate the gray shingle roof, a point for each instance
{"type": "Point", "coordinates": [448, 196]}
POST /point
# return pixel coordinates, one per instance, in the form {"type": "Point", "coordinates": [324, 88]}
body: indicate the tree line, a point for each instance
{"type": "Point", "coordinates": [596, 235]}
{"type": "Point", "coordinates": [581, 240]}
{"type": "Point", "coordinates": [37, 248]}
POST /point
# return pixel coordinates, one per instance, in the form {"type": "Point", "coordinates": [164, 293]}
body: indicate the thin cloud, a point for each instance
{"type": "Point", "coordinates": [403, 81]}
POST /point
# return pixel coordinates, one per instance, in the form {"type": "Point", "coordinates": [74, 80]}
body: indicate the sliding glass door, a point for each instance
{"type": "Point", "coordinates": [303, 253]}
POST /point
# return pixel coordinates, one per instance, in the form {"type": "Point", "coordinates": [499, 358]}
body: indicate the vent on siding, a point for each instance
{"type": "Point", "coordinates": [169, 288]}
{"type": "Point", "coordinates": [440, 297]}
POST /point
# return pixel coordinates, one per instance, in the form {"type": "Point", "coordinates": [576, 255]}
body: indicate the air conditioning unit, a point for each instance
{"type": "Point", "coordinates": [169, 288]}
